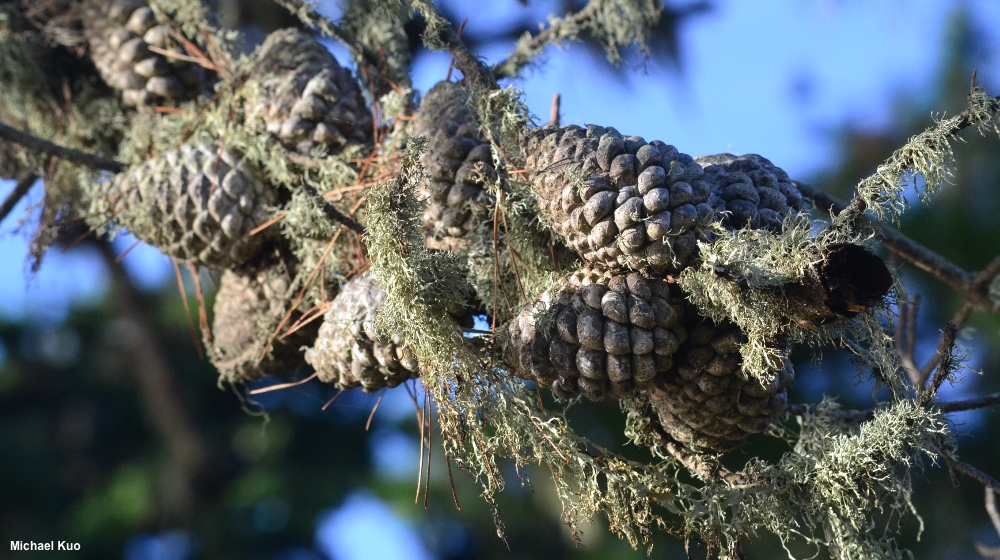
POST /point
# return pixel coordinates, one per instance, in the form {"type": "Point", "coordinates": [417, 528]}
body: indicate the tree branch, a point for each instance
{"type": "Point", "coordinates": [333, 213]}
{"type": "Point", "coordinates": [477, 73]}
{"type": "Point", "coordinates": [69, 154]}
{"type": "Point", "coordinates": [20, 189]}
{"type": "Point", "coordinates": [970, 404]}
{"type": "Point", "coordinates": [922, 257]}
{"type": "Point", "coordinates": [945, 365]}
{"type": "Point", "coordinates": [530, 46]}
{"type": "Point", "coordinates": [101, 162]}
{"type": "Point", "coordinates": [164, 404]}
{"type": "Point", "coordinates": [991, 510]}
{"type": "Point", "coordinates": [856, 208]}
{"type": "Point", "coordinates": [972, 472]}
{"type": "Point", "coordinates": [326, 26]}
{"type": "Point", "coordinates": [696, 463]}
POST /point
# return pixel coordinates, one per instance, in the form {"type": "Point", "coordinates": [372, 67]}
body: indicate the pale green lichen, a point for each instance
{"type": "Point", "coordinates": [925, 163]}
{"type": "Point", "coordinates": [842, 470]}
{"type": "Point", "coordinates": [381, 26]}
{"type": "Point", "coordinates": [614, 24]}
{"type": "Point", "coordinates": [760, 272]}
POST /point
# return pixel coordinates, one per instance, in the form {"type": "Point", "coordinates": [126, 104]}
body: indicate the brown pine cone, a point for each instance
{"type": "Point", "coordinates": [127, 43]}
{"type": "Point", "coordinates": [623, 202]}
{"type": "Point", "coordinates": [306, 98]}
{"type": "Point", "coordinates": [458, 161]}
{"type": "Point", "coordinates": [249, 306]}
{"type": "Point", "coordinates": [598, 333]}
{"type": "Point", "coordinates": [349, 352]}
{"type": "Point", "coordinates": [706, 402]}
{"type": "Point", "coordinates": [195, 203]}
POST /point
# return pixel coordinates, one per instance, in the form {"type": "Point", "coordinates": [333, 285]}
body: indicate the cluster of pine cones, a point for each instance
{"type": "Point", "coordinates": [633, 212]}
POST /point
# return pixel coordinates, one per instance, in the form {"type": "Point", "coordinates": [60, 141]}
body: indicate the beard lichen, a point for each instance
{"type": "Point", "coordinates": [925, 162]}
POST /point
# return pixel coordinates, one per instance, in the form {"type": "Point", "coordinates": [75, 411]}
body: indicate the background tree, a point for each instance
{"type": "Point", "coordinates": [189, 463]}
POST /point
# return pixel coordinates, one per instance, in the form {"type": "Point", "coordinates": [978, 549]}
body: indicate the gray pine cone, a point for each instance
{"type": "Point", "coordinates": [249, 306]}
{"type": "Point", "coordinates": [598, 333]}
{"type": "Point", "coordinates": [458, 162]}
{"type": "Point", "coordinates": [706, 402]}
{"type": "Point", "coordinates": [349, 352]}
{"type": "Point", "coordinates": [195, 203]}
{"type": "Point", "coordinates": [124, 38]}
{"type": "Point", "coordinates": [307, 99]}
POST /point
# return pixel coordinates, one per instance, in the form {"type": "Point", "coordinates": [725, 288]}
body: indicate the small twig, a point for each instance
{"type": "Point", "coordinates": [945, 366]}
{"type": "Point", "coordinates": [556, 100]}
{"type": "Point", "coordinates": [697, 464]}
{"type": "Point", "coordinates": [45, 147]}
{"type": "Point", "coordinates": [972, 472]}
{"type": "Point", "coordinates": [331, 211]}
{"type": "Point", "coordinates": [475, 72]}
{"type": "Point", "coordinates": [905, 336]}
{"type": "Point", "coordinates": [848, 416]}
{"type": "Point", "coordinates": [855, 416]}
{"type": "Point", "coordinates": [856, 208]}
{"type": "Point", "coordinates": [969, 404]}
{"type": "Point", "coordinates": [20, 190]}
{"type": "Point", "coordinates": [991, 509]}
{"type": "Point", "coordinates": [529, 48]}
{"type": "Point", "coordinates": [331, 29]}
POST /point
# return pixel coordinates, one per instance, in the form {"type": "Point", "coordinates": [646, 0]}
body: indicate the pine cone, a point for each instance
{"type": "Point", "coordinates": [706, 402]}
{"type": "Point", "coordinates": [124, 36]}
{"type": "Point", "coordinates": [755, 192]}
{"type": "Point", "coordinates": [248, 308]}
{"type": "Point", "coordinates": [306, 98]}
{"type": "Point", "coordinates": [599, 332]}
{"type": "Point", "coordinates": [621, 201]}
{"type": "Point", "coordinates": [349, 352]}
{"type": "Point", "coordinates": [196, 203]}
{"type": "Point", "coordinates": [458, 162]}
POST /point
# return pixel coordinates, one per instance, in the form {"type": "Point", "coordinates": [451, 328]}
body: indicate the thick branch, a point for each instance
{"type": "Point", "coordinates": [44, 146]}
{"type": "Point", "coordinates": [15, 196]}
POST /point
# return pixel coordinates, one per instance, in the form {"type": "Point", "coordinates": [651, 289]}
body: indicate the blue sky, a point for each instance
{"type": "Point", "coordinates": [764, 77]}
